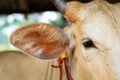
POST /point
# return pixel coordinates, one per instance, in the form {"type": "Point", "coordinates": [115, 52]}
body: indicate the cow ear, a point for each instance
{"type": "Point", "coordinates": [42, 40]}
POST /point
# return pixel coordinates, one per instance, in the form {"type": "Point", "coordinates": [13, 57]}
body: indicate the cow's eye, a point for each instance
{"type": "Point", "coordinates": [88, 43]}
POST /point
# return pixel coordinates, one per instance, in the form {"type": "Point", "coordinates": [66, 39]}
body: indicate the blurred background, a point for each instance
{"type": "Point", "coordinates": [15, 13]}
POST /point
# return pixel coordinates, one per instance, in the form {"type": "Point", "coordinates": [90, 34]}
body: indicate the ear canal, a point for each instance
{"type": "Point", "coordinates": [42, 40]}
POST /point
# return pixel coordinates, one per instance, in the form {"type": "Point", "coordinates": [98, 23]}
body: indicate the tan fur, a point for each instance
{"type": "Point", "coordinates": [72, 11]}
{"type": "Point", "coordinates": [89, 66]}
{"type": "Point", "coordinates": [82, 69]}
{"type": "Point", "coordinates": [93, 67]}
{"type": "Point", "coordinates": [15, 65]}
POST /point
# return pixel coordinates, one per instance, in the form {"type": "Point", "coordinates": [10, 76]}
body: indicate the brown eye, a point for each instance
{"type": "Point", "coordinates": [88, 43]}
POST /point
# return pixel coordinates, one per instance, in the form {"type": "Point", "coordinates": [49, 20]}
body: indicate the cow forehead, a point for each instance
{"type": "Point", "coordinates": [100, 16]}
{"type": "Point", "coordinates": [100, 30]}
{"type": "Point", "coordinates": [100, 21]}
{"type": "Point", "coordinates": [94, 7]}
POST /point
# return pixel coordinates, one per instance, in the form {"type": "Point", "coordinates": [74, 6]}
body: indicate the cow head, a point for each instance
{"type": "Point", "coordinates": [93, 33]}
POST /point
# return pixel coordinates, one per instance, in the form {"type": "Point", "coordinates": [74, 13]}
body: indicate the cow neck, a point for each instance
{"type": "Point", "coordinates": [63, 60]}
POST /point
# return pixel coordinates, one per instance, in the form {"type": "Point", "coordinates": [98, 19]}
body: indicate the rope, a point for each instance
{"type": "Point", "coordinates": [60, 60]}
{"type": "Point", "coordinates": [69, 77]}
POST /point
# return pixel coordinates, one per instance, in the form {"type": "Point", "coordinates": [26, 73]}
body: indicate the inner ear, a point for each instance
{"type": "Point", "coordinates": [42, 40]}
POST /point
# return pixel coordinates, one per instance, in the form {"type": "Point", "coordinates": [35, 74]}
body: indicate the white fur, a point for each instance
{"type": "Point", "coordinates": [38, 52]}
{"type": "Point", "coordinates": [28, 45]}
{"type": "Point", "coordinates": [103, 28]}
{"type": "Point", "coordinates": [71, 38]}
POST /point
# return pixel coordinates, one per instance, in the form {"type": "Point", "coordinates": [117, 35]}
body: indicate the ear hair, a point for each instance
{"type": "Point", "coordinates": [40, 40]}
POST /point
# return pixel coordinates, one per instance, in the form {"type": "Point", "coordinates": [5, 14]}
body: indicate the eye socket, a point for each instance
{"type": "Point", "coordinates": [88, 43]}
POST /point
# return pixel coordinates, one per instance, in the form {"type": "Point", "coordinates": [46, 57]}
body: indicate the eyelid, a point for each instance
{"type": "Point", "coordinates": [85, 39]}
{"type": "Point", "coordinates": [98, 44]}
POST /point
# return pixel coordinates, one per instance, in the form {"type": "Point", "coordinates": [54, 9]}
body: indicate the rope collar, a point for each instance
{"type": "Point", "coordinates": [61, 60]}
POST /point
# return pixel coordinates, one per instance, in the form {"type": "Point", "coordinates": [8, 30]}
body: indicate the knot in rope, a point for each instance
{"type": "Point", "coordinates": [60, 61]}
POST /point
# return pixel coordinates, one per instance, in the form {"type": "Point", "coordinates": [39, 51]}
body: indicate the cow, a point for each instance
{"type": "Point", "coordinates": [91, 42]}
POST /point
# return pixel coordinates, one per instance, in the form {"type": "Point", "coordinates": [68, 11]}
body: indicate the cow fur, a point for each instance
{"type": "Point", "coordinates": [100, 21]}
